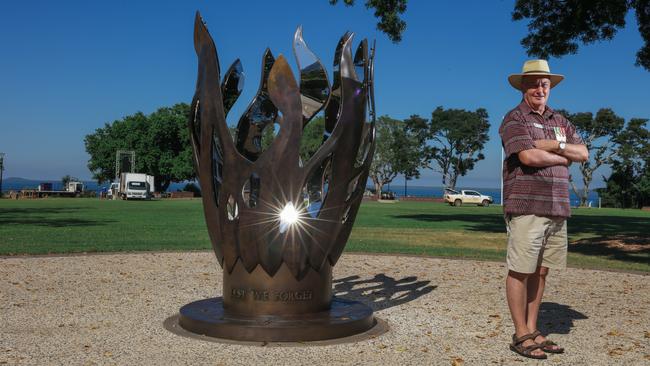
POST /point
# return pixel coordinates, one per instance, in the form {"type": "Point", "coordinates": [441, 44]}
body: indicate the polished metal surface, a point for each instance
{"type": "Point", "coordinates": [345, 318]}
{"type": "Point", "coordinates": [314, 85]}
{"type": "Point", "coordinates": [232, 85]}
{"type": "Point", "coordinates": [332, 109]}
{"type": "Point", "coordinates": [250, 294]}
{"type": "Point", "coordinates": [278, 224]}
{"type": "Point", "coordinates": [172, 324]}
{"type": "Point", "coordinates": [260, 113]}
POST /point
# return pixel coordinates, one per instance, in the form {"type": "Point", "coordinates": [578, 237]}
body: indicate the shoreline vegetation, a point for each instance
{"type": "Point", "coordinates": [611, 239]}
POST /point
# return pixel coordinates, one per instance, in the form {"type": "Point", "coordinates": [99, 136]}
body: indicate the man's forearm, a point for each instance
{"type": "Point", "coordinates": [539, 158]}
{"type": "Point", "coordinates": [573, 152]}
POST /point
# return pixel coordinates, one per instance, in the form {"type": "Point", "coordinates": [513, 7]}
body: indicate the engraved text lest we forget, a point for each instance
{"type": "Point", "coordinates": [262, 295]}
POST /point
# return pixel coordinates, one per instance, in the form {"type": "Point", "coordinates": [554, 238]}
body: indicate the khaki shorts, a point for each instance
{"type": "Point", "coordinates": [535, 241]}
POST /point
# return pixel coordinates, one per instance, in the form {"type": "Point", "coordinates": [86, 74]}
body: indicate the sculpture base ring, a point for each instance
{"type": "Point", "coordinates": [344, 318]}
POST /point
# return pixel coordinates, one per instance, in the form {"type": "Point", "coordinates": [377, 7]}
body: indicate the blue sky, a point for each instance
{"type": "Point", "coordinates": [67, 68]}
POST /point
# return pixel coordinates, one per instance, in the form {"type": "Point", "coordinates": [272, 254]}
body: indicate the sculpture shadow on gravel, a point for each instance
{"type": "Point", "coordinates": [381, 291]}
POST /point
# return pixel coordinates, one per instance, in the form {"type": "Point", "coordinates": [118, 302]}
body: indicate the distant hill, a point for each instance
{"type": "Point", "coordinates": [17, 183]}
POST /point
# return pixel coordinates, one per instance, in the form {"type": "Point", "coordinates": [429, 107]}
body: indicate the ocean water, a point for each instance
{"type": "Point", "coordinates": [437, 192]}
{"type": "Point", "coordinates": [15, 184]}
{"type": "Point", "coordinates": [398, 190]}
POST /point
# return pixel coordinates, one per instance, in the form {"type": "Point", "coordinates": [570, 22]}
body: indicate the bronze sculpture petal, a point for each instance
{"type": "Point", "coordinates": [232, 85]}
{"type": "Point", "coordinates": [333, 106]}
{"type": "Point", "coordinates": [260, 113]}
{"type": "Point", "coordinates": [314, 86]}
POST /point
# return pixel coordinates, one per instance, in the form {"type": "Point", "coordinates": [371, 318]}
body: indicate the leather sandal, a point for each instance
{"type": "Point", "coordinates": [517, 346]}
{"type": "Point", "coordinates": [548, 346]}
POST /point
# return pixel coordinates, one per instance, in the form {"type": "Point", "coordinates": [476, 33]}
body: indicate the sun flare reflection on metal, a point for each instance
{"type": "Point", "coordinates": [288, 216]}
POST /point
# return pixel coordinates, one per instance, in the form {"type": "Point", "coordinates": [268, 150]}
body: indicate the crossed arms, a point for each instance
{"type": "Point", "coordinates": [548, 153]}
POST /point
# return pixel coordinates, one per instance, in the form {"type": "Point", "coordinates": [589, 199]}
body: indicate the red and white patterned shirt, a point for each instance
{"type": "Point", "coordinates": [529, 190]}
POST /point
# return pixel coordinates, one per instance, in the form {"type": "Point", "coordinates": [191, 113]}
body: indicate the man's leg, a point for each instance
{"type": "Point", "coordinates": [535, 291]}
{"type": "Point", "coordinates": [517, 295]}
{"type": "Point", "coordinates": [554, 256]}
{"type": "Point", "coordinates": [525, 239]}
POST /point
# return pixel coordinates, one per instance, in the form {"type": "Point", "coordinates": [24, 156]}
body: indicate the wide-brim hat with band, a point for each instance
{"type": "Point", "coordinates": [534, 67]}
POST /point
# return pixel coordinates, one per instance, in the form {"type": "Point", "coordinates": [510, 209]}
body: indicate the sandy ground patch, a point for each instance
{"type": "Point", "coordinates": [110, 309]}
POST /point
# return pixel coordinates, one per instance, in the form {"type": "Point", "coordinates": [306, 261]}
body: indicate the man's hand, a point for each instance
{"type": "Point", "coordinates": [573, 152]}
{"type": "Point", "coordinates": [548, 145]}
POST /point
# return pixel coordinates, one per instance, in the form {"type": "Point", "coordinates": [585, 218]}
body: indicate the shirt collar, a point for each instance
{"type": "Point", "coordinates": [526, 110]}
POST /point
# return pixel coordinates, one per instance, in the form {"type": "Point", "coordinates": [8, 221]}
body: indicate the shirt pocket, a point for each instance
{"type": "Point", "coordinates": [536, 130]}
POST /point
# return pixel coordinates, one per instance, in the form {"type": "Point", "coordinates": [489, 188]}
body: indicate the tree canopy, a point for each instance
{"type": "Point", "coordinates": [160, 141]}
{"type": "Point", "coordinates": [557, 26]}
{"type": "Point", "coordinates": [629, 183]}
{"type": "Point", "coordinates": [397, 151]}
{"type": "Point", "coordinates": [388, 12]}
{"type": "Point", "coordinates": [312, 138]}
{"type": "Point", "coordinates": [454, 140]}
{"type": "Point", "coordinates": [598, 133]}
{"type": "Point", "coordinates": [411, 149]}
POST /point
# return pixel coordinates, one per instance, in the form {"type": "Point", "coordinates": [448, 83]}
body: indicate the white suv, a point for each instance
{"type": "Point", "coordinates": [456, 198]}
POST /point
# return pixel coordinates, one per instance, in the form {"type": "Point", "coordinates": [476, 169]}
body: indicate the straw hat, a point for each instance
{"type": "Point", "coordinates": [534, 67]}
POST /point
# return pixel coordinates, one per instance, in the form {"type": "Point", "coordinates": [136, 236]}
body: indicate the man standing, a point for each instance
{"type": "Point", "coordinates": [539, 144]}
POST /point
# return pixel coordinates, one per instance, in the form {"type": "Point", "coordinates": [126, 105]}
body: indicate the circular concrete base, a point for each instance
{"type": "Point", "coordinates": [345, 318]}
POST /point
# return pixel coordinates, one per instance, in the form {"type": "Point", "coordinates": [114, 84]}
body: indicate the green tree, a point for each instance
{"type": "Point", "coordinates": [598, 133]}
{"type": "Point", "coordinates": [629, 183]}
{"type": "Point", "coordinates": [103, 144]}
{"type": "Point", "coordinates": [396, 152]}
{"type": "Point", "coordinates": [160, 140]}
{"type": "Point", "coordinates": [388, 12]}
{"type": "Point", "coordinates": [171, 159]}
{"type": "Point", "coordinates": [312, 138]}
{"type": "Point", "coordinates": [412, 154]}
{"type": "Point", "coordinates": [455, 139]}
{"type": "Point", "coordinates": [556, 26]}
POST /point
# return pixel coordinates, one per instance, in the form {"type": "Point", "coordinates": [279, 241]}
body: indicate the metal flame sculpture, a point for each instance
{"type": "Point", "coordinates": [279, 224]}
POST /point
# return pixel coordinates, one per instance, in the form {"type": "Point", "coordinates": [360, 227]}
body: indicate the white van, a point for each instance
{"type": "Point", "coordinates": [136, 185]}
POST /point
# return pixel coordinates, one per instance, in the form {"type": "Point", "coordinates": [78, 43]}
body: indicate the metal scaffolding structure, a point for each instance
{"type": "Point", "coordinates": [124, 162]}
{"type": "Point", "coordinates": [2, 168]}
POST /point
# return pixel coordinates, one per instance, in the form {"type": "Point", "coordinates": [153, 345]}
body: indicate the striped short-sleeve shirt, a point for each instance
{"type": "Point", "coordinates": [529, 190]}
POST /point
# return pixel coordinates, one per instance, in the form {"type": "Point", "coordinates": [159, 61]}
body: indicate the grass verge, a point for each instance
{"type": "Point", "coordinates": [599, 238]}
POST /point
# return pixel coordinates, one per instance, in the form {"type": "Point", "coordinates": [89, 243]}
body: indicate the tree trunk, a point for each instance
{"type": "Point", "coordinates": [405, 182]}
{"type": "Point", "coordinates": [378, 187]}
{"type": "Point", "coordinates": [586, 181]}
{"type": "Point", "coordinates": [584, 196]}
{"type": "Point", "coordinates": [452, 180]}
{"type": "Point", "coordinates": [573, 186]}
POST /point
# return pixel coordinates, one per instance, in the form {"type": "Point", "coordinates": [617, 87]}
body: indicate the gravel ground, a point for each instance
{"type": "Point", "coordinates": [110, 309]}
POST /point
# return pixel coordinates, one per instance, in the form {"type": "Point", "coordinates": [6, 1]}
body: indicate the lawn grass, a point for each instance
{"type": "Point", "coordinates": [68, 225]}
{"type": "Point", "coordinates": [600, 238]}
